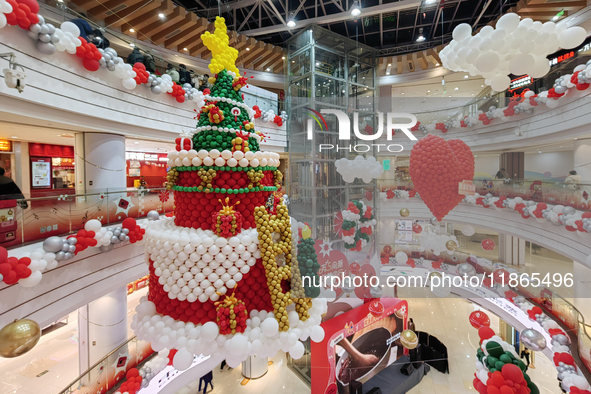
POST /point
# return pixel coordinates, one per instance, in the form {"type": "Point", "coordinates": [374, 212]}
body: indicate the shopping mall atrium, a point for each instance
{"type": "Point", "coordinates": [295, 196]}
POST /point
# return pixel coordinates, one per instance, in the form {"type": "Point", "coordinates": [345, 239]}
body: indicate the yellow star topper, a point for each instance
{"type": "Point", "coordinates": [223, 56]}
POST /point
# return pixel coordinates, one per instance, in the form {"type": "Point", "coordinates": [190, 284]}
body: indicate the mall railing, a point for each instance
{"type": "Point", "coordinates": [34, 219]}
{"type": "Point", "coordinates": [547, 191]}
{"type": "Point", "coordinates": [107, 373]}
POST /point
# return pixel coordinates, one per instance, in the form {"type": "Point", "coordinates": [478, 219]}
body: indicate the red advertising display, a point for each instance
{"type": "Point", "coordinates": [372, 331]}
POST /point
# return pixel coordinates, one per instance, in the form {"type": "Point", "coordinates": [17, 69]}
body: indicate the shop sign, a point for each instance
{"type": "Point", "coordinates": [5, 146]}
{"type": "Point", "coordinates": [520, 82]}
{"type": "Point", "coordinates": [467, 188]}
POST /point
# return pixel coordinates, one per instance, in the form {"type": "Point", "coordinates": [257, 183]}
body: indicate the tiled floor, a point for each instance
{"type": "Point", "coordinates": [53, 363]}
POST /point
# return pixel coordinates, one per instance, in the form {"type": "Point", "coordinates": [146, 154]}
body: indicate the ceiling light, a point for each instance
{"type": "Point", "coordinates": [317, 64]}
{"type": "Point", "coordinates": [436, 64]}
{"type": "Point", "coordinates": [428, 91]}
{"type": "Point", "coordinates": [282, 57]}
{"type": "Point", "coordinates": [402, 92]}
{"type": "Point", "coordinates": [575, 139]}
{"type": "Point", "coordinates": [481, 86]}
{"type": "Point", "coordinates": [184, 49]}
{"type": "Point", "coordinates": [268, 69]}
{"type": "Point", "coordinates": [430, 1]}
{"type": "Point", "coordinates": [387, 72]}
{"type": "Point", "coordinates": [291, 22]}
{"type": "Point", "coordinates": [466, 76]}
{"type": "Point", "coordinates": [131, 30]}
{"type": "Point", "coordinates": [456, 88]}
{"type": "Point", "coordinates": [131, 44]}
{"type": "Point", "coordinates": [161, 15]}
{"type": "Point", "coordinates": [539, 151]}
{"type": "Point", "coordinates": [293, 61]}
{"type": "Point", "coordinates": [248, 49]}
{"type": "Point", "coordinates": [356, 8]}
{"type": "Point", "coordinates": [421, 38]}
{"type": "Point", "coordinates": [389, 65]}
{"type": "Point", "coordinates": [14, 136]}
{"type": "Point", "coordinates": [136, 142]}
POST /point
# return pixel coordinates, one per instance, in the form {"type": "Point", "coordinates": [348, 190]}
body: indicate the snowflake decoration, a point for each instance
{"type": "Point", "coordinates": [326, 247]}
{"type": "Point", "coordinates": [164, 196]}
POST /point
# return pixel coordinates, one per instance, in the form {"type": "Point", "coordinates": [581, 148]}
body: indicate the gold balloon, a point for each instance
{"type": "Point", "coordinates": [404, 212]}
{"type": "Point", "coordinates": [451, 245]}
{"type": "Point", "coordinates": [19, 337]}
{"type": "Point", "coordinates": [433, 275]}
{"type": "Point", "coordinates": [409, 339]}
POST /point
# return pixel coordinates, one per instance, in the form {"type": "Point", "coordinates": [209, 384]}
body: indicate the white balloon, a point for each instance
{"type": "Point", "coordinates": [572, 37]}
{"type": "Point", "coordinates": [401, 257]}
{"type": "Point", "coordinates": [297, 350]}
{"type": "Point", "coordinates": [182, 359]}
{"type": "Point", "coordinates": [462, 31]}
{"type": "Point", "coordinates": [508, 22]}
{"type": "Point", "coordinates": [487, 62]}
{"type": "Point", "coordinates": [500, 82]}
{"type": "Point", "coordinates": [317, 334]}
{"type": "Point", "coordinates": [520, 63]}
{"type": "Point", "coordinates": [69, 27]}
{"type": "Point", "coordinates": [31, 280]}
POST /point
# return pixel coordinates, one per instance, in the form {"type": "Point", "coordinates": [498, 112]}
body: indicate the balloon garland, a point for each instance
{"type": "Point", "coordinates": [358, 224]}
{"type": "Point", "coordinates": [28, 270]}
{"type": "Point", "coordinates": [514, 47]}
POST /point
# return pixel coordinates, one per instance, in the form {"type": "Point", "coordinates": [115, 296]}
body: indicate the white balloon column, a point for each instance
{"type": "Point", "coordinates": [514, 47]}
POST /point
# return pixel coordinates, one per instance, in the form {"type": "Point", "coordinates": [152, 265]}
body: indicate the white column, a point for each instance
{"type": "Point", "coordinates": [100, 162]}
{"type": "Point", "coordinates": [582, 159]}
{"type": "Point", "coordinates": [582, 287]}
{"type": "Point", "coordinates": [511, 250]}
{"type": "Point", "coordinates": [102, 327]}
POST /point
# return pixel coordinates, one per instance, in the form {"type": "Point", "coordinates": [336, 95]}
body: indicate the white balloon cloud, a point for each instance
{"type": "Point", "coordinates": [514, 46]}
{"type": "Point", "coordinates": [360, 167]}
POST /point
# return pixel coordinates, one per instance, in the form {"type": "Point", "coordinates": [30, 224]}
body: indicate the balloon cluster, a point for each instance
{"type": "Point", "coordinates": [14, 270]}
{"type": "Point", "coordinates": [23, 13]}
{"type": "Point", "coordinates": [161, 84]}
{"type": "Point", "coordinates": [437, 243]}
{"type": "Point", "coordinates": [109, 58]}
{"type": "Point", "coordinates": [5, 9]}
{"type": "Point", "coordinates": [45, 36]}
{"type": "Point", "coordinates": [360, 167]}
{"type": "Point", "coordinates": [357, 226]}
{"type": "Point", "coordinates": [308, 265]}
{"type": "Point", "coordinates": [389, 194]}
{"type": "Point", "coordinates": [90, 55]}
{"type": "Point", "coordinates": [141, 75]}
{"type": "Point", "coordinates": [178, 93]}
{"type": "Point", "coordinates": [133, 382]}
{"type": "Point", "coordinates": [127, 75]}
{"type": "Point", "coordinates": [514, 47]}
{"type": "Point", "coordinates": [152, 367]}
{"type": "Point", "coordinates": [437, 167]}
{"type": "Point", "coordinates": [261, 336]}
{"type": "Point", "coordinates": [68, 35]}
{"type": "Point", "coordinates": [224, 158]}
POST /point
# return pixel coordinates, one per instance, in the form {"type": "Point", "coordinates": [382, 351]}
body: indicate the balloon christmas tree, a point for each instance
{"type": "Point", "coordinates": [499, 369]}
{"type": "Point", "coordinates": [222, 280]}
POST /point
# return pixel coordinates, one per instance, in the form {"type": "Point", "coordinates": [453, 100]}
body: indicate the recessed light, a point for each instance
{"type": "Point", "coordinates": [136, 142]}
{"type": "Point", "coordinates": [268, 69]}
{"type": "Point", "coordinates": [449, 96]}
{"type": "Point", "coordinates": [539, 151]}
{"type": "Point", "coordinates": [402, 92]}
{"type": "Point", "coordinates": [317, 64]}
{"type": "Point", "coordinates": [293, 61]}
{"type": "Point", "coordinates": [481, 86]}
{"type": "Point", "coordinates": [161, 15]}
{"type": "Point", "coordinates": [14, 136]}
{"type": "Point", "coordinates": [466, 76]}
{"type": "Point", "coordinates": [184, 49]}
{"type": "Point", "coordinates": [472, 94]}
{"type": "Point", "coordinates": [387, 72]}
{"type": "Point", "coordinates": [131, 44]}
{"type": "Point", "coordinates": [131, 30]}
{"type": "Point", "coordinates": [421, 39]}
{"type": "Point", "coordinates": [428, 91]}
{"type": "Point", "coordinates": [436, 64]}
{"type": "Point", "coordinates": [389, 65]}
{"type": "Point", "coordinates": [575, 139]}
{"type": "Point", "coordinates": [283, 57]}
{"type": "Point", "coordinates": [456, 88]}
{"type": "Point", "coordinates": [248, 49]}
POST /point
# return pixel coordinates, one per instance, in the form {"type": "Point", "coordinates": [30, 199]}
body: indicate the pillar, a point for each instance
{"type": "Point", "coordinates": [22, 167]}
{"type": "Point", "coordinates": [582, 290]}
{"type": "Point", "coordinates": [255, 367]}
{"type": "Point", "coordinates": [100, 162]}
{"type": "Point", "coordinates": [582, 153]}
{"type": "Point", "coordinates": [511, 250]}
{"type": "Point", "coordinates": [102, 327]}
{"type": "Point", "coordinates": [513, 163]}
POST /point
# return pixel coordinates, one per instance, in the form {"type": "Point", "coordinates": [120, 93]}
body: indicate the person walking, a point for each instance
{"type": "Point", "coordinates": [502, 174]}
{"type": "Point", "coordinates": [207, 379]}
{"type": "Point", "coordinates": [10, 191]}
{"type": "Point", "coordinates": [525, 354]}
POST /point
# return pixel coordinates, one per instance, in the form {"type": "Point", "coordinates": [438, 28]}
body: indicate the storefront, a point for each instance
{"type": "Point", "coordinates": [52, 169]}
{"type": "Point", "coordinates": [147, 169]}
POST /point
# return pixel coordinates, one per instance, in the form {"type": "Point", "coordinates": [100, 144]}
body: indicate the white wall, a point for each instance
{"type": "Point", "coordinates": [486, 164]}
{"type": "Point", "coordinates": [548, 165]}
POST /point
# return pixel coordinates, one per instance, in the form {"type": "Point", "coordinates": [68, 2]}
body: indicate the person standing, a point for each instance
{"type": "Point", "coordinates": [525, 354]}
{"type": "Point", "coordinates": [10, 191]}
{"type": "Point", "coordinates": [207, 379]}
{"type": "Point", "coordinates": [502, 174]}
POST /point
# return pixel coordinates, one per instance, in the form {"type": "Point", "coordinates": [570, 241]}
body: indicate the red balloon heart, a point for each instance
{"type": "Point", "coordinates": [436, 169]}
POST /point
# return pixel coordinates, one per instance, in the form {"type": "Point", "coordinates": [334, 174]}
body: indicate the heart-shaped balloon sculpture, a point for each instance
{"type": "Point", "coordinates": [437, 167]}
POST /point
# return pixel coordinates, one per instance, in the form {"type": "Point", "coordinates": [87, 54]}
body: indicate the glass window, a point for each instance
{"type": "Point", "coordinates": [300, 64]}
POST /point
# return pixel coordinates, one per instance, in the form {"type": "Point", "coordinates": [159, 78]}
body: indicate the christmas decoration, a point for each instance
{"type": "Point", "coordinates": [355, 224]}
{"type": "Point", "coordinates": [18, 337]}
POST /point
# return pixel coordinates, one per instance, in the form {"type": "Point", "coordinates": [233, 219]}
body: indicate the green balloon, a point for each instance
{"type": "Point", "coordinates": [504, 358]}
{"type": "Point", "coordinates": [490, 360]}
{"type": "Point", "coordinates": [511, 356]}
{"type": "Point", "coordinates": [494, 349]}
{"type": "Point", "coordinates": [527, 378]}
{"type": "Point", "coordinates": [521, 365]}
{"type": "Point", "coordinates": [499, 365]}
{"type": "Point", "coordinates": [493, 370]}
{"type": "Point", "coordinates": [534, 389]}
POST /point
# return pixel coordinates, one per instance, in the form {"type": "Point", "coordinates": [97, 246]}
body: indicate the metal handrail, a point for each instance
{"type": "Point", "coordinates": [66, 390]}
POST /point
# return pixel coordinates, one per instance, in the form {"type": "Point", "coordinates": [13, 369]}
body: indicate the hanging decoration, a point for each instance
{"type": "Point", "coordinates": [357, 225]}
{"type": "Point", "coordinates": [514, 47]}
{"type": "Point", "coordinates": [437, 167]}
{"type": "Point", "coordinates": [363, 168]}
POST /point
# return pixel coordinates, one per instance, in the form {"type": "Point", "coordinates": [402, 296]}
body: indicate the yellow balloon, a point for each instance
{"type": "Point", "coordinates": [306, 232]}
{"type": "Point", "coordinates": [18, 337]}
{"type": "Point", "coordinates": [409, 339]}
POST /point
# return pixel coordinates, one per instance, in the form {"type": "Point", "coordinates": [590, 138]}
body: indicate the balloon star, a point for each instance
{"type": "Point", "coordinates": [325, 247]}
{"type": "Point", "coordinates": [125, 356]}
{"type": "Point", "coordinates": [223, 56]}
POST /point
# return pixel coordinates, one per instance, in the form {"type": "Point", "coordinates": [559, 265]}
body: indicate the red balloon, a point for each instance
{"type": "Point", "coordinates": [485, 333]}
{"type": "Point", "coordinates": [506, 390]}
{"type": "Point", "coordinates": [512, 372]}
{"type": "Point", "coordinates": [496, 379]}
{"type": "Point", "coordinates": [481, 388]}
{"type": "Point", "coordinates": [479, 319]}
{"type": "Point", "coordinates": [129, 223]}
{"type": "Point", "coordinates": [492, 390]}
{"type": "Point", "coordinates": [417, 228]}
{"type": "Point", "coordinates": [487, 244]}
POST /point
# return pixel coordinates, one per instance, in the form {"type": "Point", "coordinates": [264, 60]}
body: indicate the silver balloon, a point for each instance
{"type": "Point", "coordinates": [568, 210]}
{"type": "Point", "coordinates": [73, 241]}
{"type": "Point", "coordinates": [561, 339]}
{"type": "Point", "coordinates": [376, 292]}
{"type": "Point", "coordinates": [156, 89]}
{"type": "Point", "coordinates": [65, 246]}
{"type": "Point", "coordinates": [68, 255]}
{"type": "Point", "coordinates": [44, 37]}
{"type": "Point", "coordinates": [117, 232]}
{"type": "Point", "coordinates": [122, 237]}
{"type": "Point", "coordinates": [466, 269]}
{"type": "Point", "coordinates": [106, 248]}
{"type": "Point", "coordinates": [434, 221]}
{"type": "Point", "coordinates": [53, 244]}
{"type": "Point", "coordinates": [115, 240]}
{"type": "Point", "coordinates": [71, 248]}
{"type": "Point", "coordinates": [61, 255]}
{"type": "Point", "coordinates": [153, 215]}
{"type": "Point", "coordinates": [533, 340]}
{"type": "Point", "coordinates": [125, 231]}
{"type": "Point", "coordinates": [126, 238]}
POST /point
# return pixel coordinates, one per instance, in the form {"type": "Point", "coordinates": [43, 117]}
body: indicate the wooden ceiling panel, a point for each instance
{"type": "Point", "coordinates": [126, 15]}
{"type": "Point", "coordinates": [103, 9]}
{"type": "Point", "coordinates": [187, 24]}
{"type": "Point", "coordinates": [268, 58]}
{"type": "Point", "coordinates": [253, 54]}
